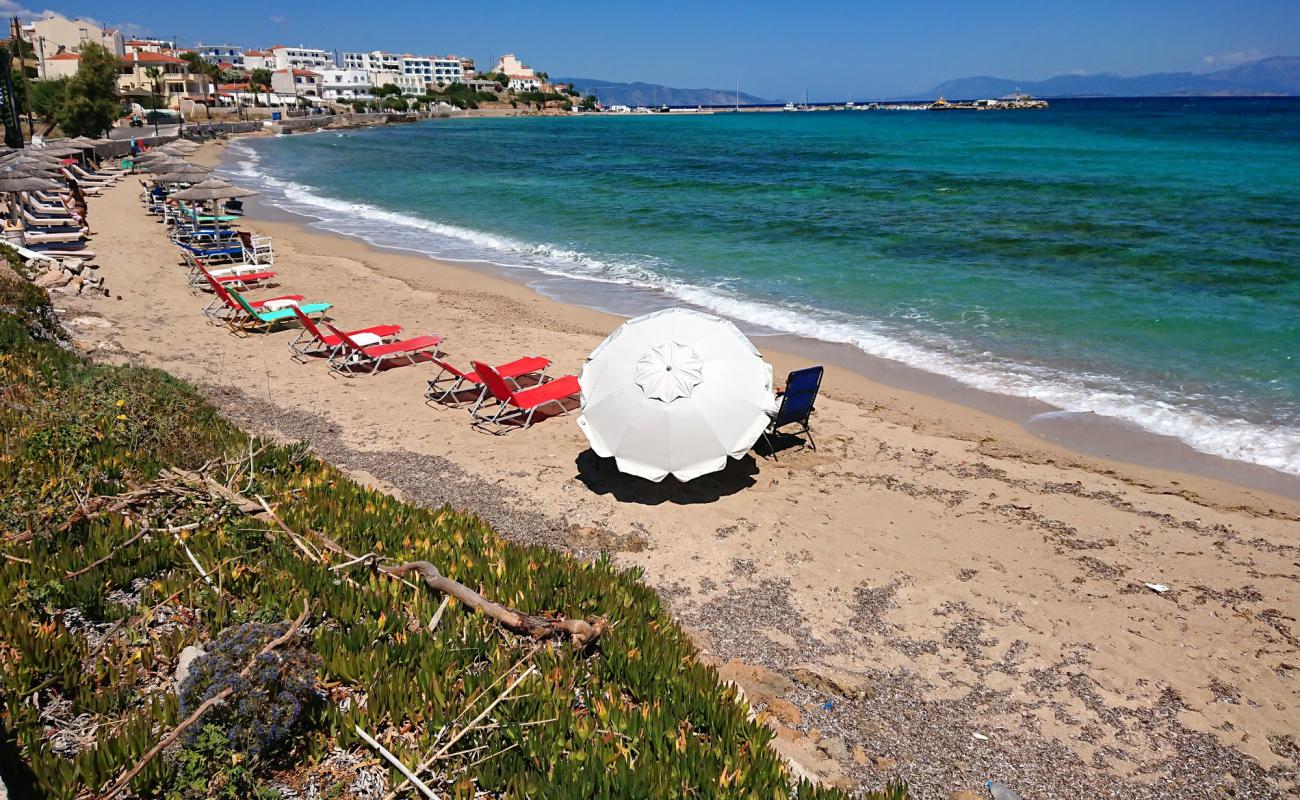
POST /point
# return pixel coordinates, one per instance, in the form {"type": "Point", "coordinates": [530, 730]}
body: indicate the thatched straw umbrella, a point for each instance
{"type": "Point", "coordinates": [212, 190]}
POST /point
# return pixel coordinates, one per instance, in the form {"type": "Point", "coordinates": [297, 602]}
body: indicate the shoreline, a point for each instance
{"type": "Point", "coordinates": [932, 571]}
{"type": "Point", "coordinates": [1099, 443]}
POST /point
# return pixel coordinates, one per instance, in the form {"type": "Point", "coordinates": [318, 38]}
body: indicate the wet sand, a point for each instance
{"type": "Point", "coordinates": [935, 593]}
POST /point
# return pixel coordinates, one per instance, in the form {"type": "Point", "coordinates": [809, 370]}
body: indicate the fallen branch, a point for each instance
{"type": "Point", "coordinates": [15, 559]}
{"type": "Point", "coordinates": [582, 632]}
{"type": "Point", "coordinates": [396, 762]}
{"type": "Point", "coordinates": [205, 706]}
{"type": "Point", "coordinates": [203, 572]}
{"type": "Point", "coordinates": [474, 723]}
{"type": "Point", "coordinates": [199, 480]}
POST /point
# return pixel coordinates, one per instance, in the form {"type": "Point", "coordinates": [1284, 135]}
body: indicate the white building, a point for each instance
{"type": "Point", "coordinates": [447, 69]}
{"type": "Point", "coordinates": [301, 58]}
{"type": "Point", "coordinates": [258, 59]}
{"type": "Point", "coordinates": [522, 78]}
{"type": "Point", "coordinates": [374, 61]}
{"type": "Point", "coordinates": [509, 65]}
{"type": "Point", "coordinates": [412, 85]}
{"type": "Point", "coordinates": [419, 66]}
{"type": "Point", "coordinates": [54, 34]}
{"type": "Point", "coordinates": [345, 84]}
{"type": "Point", "coordinates": [221, 53]}
{"type": "Point", "coordinates": [296, 82]}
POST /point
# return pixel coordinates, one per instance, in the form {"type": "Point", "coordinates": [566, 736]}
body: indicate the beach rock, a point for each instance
{"type": "Point", "coordinates": [73, 286]}
{"type": "Point", "coordinates": [860, 756]}
{"type": "Point", "coordinates": [74, 265]}
{"type": "Point", "coordinates": [185, 660]}
{"type": "Point", "coordinates": [831, 681]}
{"type": "Point", "coordinates": [4, 793]}
{"type": "Point", "coordinates": [785, 711]}
{"type": "Point", "coordinates": [52, 279]}
{"type": "Point", "coordinates": [965, 794]}
{"type": "Point", "coordinates": [834, 747]}
{"type": "Point", "coordinates": [761, 684]}
{"type": "Point", "coordinates": [884, 763]}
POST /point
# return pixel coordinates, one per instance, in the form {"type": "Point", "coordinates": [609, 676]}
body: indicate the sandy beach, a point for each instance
{"type": "Point", "coordinates": [934, 593]}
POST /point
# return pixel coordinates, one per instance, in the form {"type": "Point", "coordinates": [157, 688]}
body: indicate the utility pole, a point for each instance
{"type": "Point", "coordinates": [22, 70]}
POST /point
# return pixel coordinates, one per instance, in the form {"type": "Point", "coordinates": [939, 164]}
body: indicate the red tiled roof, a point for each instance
{"type": "Point", "coordinates": [235, 87]}
{"type": "Point", "coordinates": [64, 57]}
{"type": "Point", "coordinates": [152, 58]}
{"type": "Point", "coordinates": [256, 53]}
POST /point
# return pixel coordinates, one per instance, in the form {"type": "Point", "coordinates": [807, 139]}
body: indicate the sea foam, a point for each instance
{"type": "Point", "coordinates": [1148, 407]}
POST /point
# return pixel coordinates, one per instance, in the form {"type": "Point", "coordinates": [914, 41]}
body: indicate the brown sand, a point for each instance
{"type": "Point", "coordinates": [967, 597]}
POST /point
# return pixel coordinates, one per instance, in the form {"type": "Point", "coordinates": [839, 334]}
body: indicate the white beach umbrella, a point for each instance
{"type": "Point", "coordinates": [675, 392]}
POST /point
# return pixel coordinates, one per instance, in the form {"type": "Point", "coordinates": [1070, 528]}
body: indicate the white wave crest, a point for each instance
{"type": "Point", "coordinates": [1277, 447]}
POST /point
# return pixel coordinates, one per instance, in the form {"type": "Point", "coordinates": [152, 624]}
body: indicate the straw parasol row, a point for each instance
{"type": "Point", "coordinates": [212, 189]}
{"type": "Point", "coordinates": [17, 178]}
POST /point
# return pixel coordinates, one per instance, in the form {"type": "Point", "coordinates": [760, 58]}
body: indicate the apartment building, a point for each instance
{"type": "Point", "coordinates": [374, 61]}
{"type": "Point", "coordinates": [221, 54]}
{"type": "Point", "coordinates": [302, 58]}
{"type": "Point", "coordinates": [447, 70]}
{"type": "Point", "coordinates": [174, 81]}
{"type": "Point", "coordinates": [258, 59]}
{"type": "Point", "coordinates": [54, 34]}
{"type": "Point", "coordinates": [296, 82]}
{"type": "Point", "coordinates": [522, 78]}
{"type": "Point", "coordinates": [346, 84]}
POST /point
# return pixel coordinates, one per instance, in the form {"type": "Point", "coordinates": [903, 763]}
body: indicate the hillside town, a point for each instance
{"type": "Point", "coordinates": [161, 74]}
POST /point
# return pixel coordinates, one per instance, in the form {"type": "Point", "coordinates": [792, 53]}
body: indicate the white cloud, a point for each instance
{"type": "Point", "coordinates": [1232, 58]}
{"type": "Point", "coordinates": [10, 8]}
{"type": "Point", "coordinates": [277, 20]}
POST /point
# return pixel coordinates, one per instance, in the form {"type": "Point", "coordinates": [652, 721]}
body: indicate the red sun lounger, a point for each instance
{"type": "Point", "coordinates": [439, 392]}
{"type": "Point", "coordinates": [311, 341]}
{"type": "Point", "coordinates": [512, 404]}
{"type": "Point", "coordinates": [352, 354]}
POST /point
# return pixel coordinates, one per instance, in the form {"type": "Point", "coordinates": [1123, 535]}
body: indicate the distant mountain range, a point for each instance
{"type": "Point", "coordinates": [612, 93]}
{"type": "Point", "coordinates": [1279, 75]}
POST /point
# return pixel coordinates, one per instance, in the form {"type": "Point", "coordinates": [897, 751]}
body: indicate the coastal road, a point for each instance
{"type": "Point", "coordinates": [126, 132]}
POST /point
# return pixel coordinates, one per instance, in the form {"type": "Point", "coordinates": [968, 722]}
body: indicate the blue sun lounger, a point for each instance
{"type": "Point", "coordinates": [797, 404]}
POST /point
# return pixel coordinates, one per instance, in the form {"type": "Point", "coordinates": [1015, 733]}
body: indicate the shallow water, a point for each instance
{"type": "Point", "coordinates": [1139, 259]}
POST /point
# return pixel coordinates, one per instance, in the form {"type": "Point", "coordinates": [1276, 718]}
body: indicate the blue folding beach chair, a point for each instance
{"type": "Point", "coordinates": [797, 402]}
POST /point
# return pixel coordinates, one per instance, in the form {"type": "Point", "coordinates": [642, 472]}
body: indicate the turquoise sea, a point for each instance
{"type": "Point", "coordinates": [1135, 258]}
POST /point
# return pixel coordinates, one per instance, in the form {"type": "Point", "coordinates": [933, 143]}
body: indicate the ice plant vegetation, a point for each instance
{"type": "Point", "coordinates": [125, 540]}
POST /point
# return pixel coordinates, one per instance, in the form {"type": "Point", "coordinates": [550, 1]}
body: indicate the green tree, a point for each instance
{"type": "Point", "coordinates": [259, 77]}
{"type": "Point", "coordinates": [47, 97]}
{"type": "Point", "coordinates": [154, 74]}
{"type": "Point", "coordinates": [589, 103]}
{"type": "Point", "coordinates": [91, 103]}
{"type": "Point", "coordinates": [396, 103]}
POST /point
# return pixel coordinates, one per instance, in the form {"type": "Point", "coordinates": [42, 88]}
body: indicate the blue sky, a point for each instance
{"type": "Point", "coordinates": [778, 50]}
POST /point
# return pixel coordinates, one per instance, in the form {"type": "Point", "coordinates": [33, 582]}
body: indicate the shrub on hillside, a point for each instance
{"type": "Point", "coordinates": [267, 705]}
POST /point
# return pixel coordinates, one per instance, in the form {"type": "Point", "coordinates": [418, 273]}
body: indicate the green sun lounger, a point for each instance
{"type": "Point", "coordinates": [265, 320]}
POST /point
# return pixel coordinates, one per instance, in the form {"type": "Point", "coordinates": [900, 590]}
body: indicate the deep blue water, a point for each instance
{"type": "Point", "coordinates": [1136, 258]}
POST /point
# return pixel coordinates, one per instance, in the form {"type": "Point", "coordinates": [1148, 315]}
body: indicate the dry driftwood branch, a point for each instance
{"type": "Point", "coordinates": [98, 506]}
{"type": "Point", "coordinates": [201, 480]}
{"type": "Point", "coordinates": [396, 762]}
{"type": "Point", "coordinates": [474, 723]}
{"type": "Point", "coordinates": [205, 706]}
{"type": "Point", "coordinates": [70, 574]}
{"type": "Point", "coordinates": [582, 632]}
